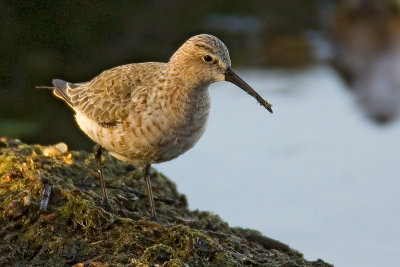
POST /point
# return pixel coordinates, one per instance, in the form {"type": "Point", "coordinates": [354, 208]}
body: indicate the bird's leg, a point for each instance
{"type": "Point", "coordinates": [97, 155]}
{"type": "Point", "coordinates": [146, 174]}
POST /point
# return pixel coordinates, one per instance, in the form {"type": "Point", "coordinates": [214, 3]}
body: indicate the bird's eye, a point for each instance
{"type": "Point", "coordinates": [207, 58]}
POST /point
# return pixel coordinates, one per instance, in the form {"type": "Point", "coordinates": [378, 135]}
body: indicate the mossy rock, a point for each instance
{"type": "Point", "coordinates": [73, 228]}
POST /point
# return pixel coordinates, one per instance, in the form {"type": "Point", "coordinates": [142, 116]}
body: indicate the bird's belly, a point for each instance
{"type": "Point", "coordinates": [180, 141]}
{"type": "Point", "coordinates": [149, 140]}
{"type": "Point", "coordinates": [186, 128]}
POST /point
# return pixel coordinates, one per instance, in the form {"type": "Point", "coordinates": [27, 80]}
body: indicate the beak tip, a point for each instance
{"type": "Point", "coordinates": [231, 76]}
{"type": "Point", "coordinates": [266, 105]}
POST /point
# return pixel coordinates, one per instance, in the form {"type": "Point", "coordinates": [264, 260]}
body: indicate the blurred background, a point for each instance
{"type": "Point", "coordinates": [321, 173]}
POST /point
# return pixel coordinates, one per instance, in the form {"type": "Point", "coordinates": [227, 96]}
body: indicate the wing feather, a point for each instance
{"type": "Point", "coordinates": [108, 97]}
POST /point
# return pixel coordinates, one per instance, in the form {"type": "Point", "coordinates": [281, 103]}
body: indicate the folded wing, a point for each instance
{"type": "Point", "coordinates": [108, 97]}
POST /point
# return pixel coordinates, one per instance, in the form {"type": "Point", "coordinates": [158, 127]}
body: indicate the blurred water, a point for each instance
{"type": "Point", "coordinates": [316, 174]}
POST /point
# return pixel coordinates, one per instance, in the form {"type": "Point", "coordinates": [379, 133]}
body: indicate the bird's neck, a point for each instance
{"type": "Point", "coordinates": [187, 78]}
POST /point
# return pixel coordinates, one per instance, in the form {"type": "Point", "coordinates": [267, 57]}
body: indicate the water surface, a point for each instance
{"type": "Point", "coordinates": [317, 174]}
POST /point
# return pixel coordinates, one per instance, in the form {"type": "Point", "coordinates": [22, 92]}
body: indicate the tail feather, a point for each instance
{"type": "Point", "coordinates": [44, 87]}
{"type": "Point", "coordinates": [60, 90]}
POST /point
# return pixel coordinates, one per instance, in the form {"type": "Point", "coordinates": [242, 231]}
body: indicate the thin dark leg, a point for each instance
{"type": "Point", "coordinates": [97, 157]}
{"type": "Point", "coordinates": [153, 215]}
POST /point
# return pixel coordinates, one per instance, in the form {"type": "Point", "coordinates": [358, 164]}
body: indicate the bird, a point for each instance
{"type": "Point", "coordinates": [152, 112]}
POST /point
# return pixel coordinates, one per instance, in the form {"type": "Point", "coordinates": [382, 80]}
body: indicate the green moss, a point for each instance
{"type": "Point", "coordinates": [75, 228]}
{"type": "Point", "coordinates": [157, 254]}
{"type": "Point", "coordinates": [84, 212]}
{"type": "Point", "coordinates": [224, 258]}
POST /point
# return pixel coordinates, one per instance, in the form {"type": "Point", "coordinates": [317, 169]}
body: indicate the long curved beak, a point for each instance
{"type": "Point", "coordinates": [232, 77]}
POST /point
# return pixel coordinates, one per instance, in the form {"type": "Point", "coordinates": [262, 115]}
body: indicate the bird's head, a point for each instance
{"type": "Point", "coordinates": [205, 58]}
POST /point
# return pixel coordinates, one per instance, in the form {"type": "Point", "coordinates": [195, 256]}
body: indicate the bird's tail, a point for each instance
{"type": "Point", "coordinates": [44, 87]}
{"type": "Point", "coordinates": [59, 89]}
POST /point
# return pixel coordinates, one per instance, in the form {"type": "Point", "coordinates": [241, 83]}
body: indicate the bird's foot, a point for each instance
{"type": "Point", "coordinates": [155, 219]}
{"type": "Point", "coordinates": [106, 204]}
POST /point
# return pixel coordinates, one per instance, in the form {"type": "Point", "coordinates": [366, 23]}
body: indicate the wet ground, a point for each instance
{"type": "Point", "coordinates": [51, 215]}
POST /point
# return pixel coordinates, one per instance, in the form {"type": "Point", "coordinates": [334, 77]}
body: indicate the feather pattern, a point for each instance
{"type": "Point", "coordinates": [146, 113]}
{"type": "Point", "coordinates": [107, 98]}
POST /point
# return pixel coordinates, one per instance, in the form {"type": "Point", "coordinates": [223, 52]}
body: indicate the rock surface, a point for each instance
{"type": "Point", "coordinates": [50, 215]}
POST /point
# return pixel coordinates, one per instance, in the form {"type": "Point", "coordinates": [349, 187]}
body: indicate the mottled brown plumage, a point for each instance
{"type": "Point", "coordinates": [148, 113]}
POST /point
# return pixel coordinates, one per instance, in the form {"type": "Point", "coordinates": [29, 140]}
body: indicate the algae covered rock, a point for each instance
{"type": "Point", "coordinates": [50, 215]}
